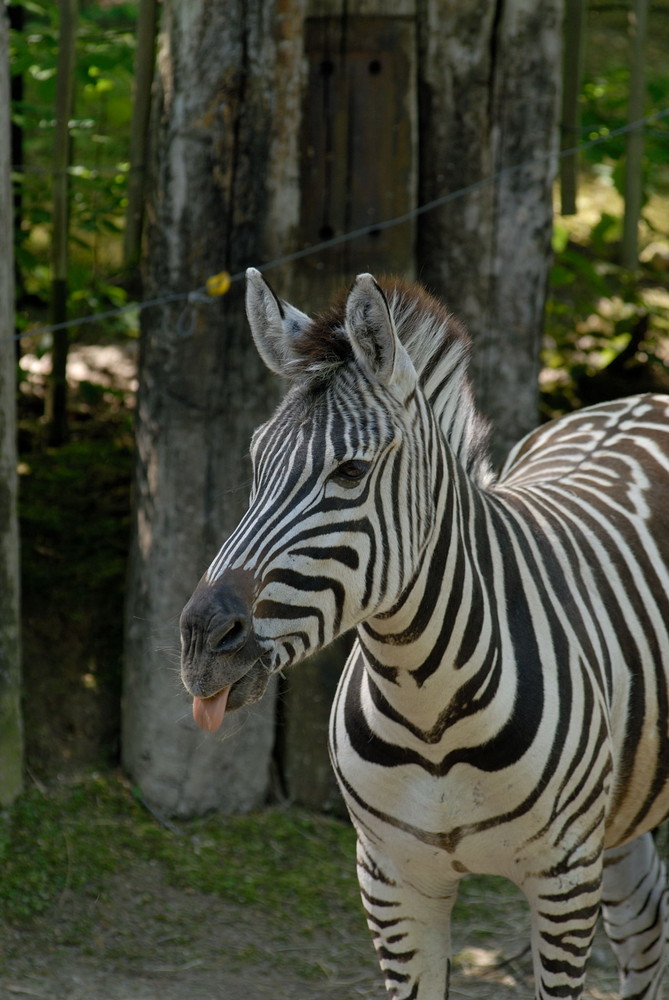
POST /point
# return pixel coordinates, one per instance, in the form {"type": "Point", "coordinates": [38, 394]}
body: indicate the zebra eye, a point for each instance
{"type": "Point", "coordinates": [350, 473]}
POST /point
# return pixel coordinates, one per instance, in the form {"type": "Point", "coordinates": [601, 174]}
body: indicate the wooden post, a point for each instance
{"type": "Point", "coordinates": [11, 734]}
{"type": "Point", "coordinates": [139, 130]}
{"type": "Point", "coordinates": [572, 68]}
{"type": "Point", "coordinates": [218, 187]}
{"type": "Point", "coordinates": [358, 159]}
{"type": "Point", "coordinates": [635, 140]}
{"type": "Point", "coordinates": [358, 167]}
{"type": "Point", "coordinates": [489, 110]}
{"type": "Point", "coordinates": [57, 397]}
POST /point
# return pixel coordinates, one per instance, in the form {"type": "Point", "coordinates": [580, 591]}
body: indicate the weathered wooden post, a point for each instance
{"type": "Point", "coordinates": [220, 199]}
{"type": "Point", "coordinates": [357, 168]}
{"type": "Point", "coordinates": [489, 89]}
{"type": "Point", "coordinates": [635, 139]}
{"type": "Point", "coordinates": [11, 734]}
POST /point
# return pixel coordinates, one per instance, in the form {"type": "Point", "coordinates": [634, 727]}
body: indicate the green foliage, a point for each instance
{"type": "Point", "coordinates": [604, 110]}
{"type": "Point", "coordinates": [74, 509]}
{"type": "Point", "coordinates": [70, 838]}
{"type": "Point", "coordinates": [605, 326]}
{"type": "Point", "coordinates": [605, 95]}
{"type": "Point", "coordinates": [99, 131]}
{"type": "Point", "coordinates": [270, 857]}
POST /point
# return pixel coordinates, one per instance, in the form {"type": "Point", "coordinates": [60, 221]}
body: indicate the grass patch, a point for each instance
{"type": "Point", "coordinates": [88, 872]}
{"type": "Point", "coordinates": [270, 857]}
{"type": "Point", "coordinates": [483, 907]}
{"type": "Point", "coordinates": [66, 838]}
{"type": "Point", "coordinates": [72, 837]}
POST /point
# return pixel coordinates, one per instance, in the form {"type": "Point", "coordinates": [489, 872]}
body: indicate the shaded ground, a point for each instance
{"type": "Point", "coordinates": [148, 941]}
{"type": "Point", "coordinates": [143, 939]}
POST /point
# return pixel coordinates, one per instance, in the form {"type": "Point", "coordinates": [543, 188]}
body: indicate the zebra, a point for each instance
{"type": "Point", "coordinates": [504, 709]}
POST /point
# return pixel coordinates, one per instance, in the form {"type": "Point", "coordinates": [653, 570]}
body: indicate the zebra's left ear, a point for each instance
{"type": "Point", "coordinates": [274, 323]}
{"type": "Point", "coordinates": [372, 334]}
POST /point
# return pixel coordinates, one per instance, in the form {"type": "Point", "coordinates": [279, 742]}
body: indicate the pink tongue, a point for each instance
{"type": "Point", "coordinates": [208, 712]}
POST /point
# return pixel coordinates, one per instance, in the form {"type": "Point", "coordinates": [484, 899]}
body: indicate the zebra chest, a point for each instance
{"type": "Point", "coordinates": [439, 826]}
{"type": "Point", "coordinates": [440, 821]}
{"type": "Point", "coordinates": [478, 800]}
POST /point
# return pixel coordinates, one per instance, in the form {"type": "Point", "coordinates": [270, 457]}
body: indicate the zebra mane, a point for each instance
{"type": "Point", "coordinates": [440, 349]}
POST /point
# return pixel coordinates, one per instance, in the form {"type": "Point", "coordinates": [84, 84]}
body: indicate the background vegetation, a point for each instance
{"type": "Point", "coordinates": [98, 176]}
{"type": "Point", "coordinates": [606, 326]}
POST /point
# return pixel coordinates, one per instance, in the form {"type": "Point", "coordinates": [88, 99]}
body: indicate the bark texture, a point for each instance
{"type": "Point", "coordinates": [489, 105]}
{"type": "Point", "coordinates": [218, 166]}
{"type": "Point", "coordinates": [11, 734]}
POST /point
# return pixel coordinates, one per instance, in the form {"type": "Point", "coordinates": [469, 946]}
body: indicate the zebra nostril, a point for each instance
{"type": "Point", "coordinates": [218, 619]}
{"type": "Point", "coordinates": [228, 636]}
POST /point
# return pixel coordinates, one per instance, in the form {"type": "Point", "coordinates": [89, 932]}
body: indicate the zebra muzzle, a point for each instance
{"type": "Point", "coordinates": [220, 654]}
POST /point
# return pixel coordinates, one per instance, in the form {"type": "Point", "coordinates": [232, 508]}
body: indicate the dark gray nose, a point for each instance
{"type": "Point", "coordinates": [217, 619]}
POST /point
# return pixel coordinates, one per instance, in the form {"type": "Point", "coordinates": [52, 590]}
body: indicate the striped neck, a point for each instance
{"type": "Point", "coordinates": [441, 609]}
{"type": "Point", "coordinates": [444, 633]}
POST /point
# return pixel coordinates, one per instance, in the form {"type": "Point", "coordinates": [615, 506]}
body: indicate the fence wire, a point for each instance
{"type": "Point", "coordinates": [211, 288]}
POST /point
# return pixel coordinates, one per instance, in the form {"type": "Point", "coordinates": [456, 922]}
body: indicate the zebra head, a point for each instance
{"type": "Point", "coordinates": [345, 465]}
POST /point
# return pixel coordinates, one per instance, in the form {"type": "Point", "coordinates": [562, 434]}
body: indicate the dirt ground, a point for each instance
{"type": "Point", "coordinates": [148, 941]}
{"type": "Point", "coordinates": [145, 940]}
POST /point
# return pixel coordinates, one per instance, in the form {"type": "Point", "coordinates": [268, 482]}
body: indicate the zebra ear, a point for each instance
{"type": "Point", "coordinates": [371, 330]}
{"type": "Point", "coordinates": [273, 323]}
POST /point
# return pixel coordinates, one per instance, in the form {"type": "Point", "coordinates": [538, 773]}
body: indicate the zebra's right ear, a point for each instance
{"type": "Point", "coordinates": [371, 331]}
{"type": "Point", "coordinates": [273, 323]}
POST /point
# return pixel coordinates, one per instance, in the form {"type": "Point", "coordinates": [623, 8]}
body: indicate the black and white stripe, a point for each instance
{"type": "Point", "coordinates": [505, 708]}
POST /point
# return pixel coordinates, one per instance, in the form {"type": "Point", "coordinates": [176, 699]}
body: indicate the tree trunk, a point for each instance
{"type": "Point", "coordinates": [11, 735]}
{"type": "Point", "coordinates": [222, 175]}
{"type": "Point", "coordinates": [489, 99]}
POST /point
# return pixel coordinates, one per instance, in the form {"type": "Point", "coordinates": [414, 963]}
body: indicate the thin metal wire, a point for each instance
{"type": "Point", "coordinates": [201, 294]}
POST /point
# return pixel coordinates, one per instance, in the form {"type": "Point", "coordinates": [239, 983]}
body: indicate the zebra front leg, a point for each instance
{"type": "Point", "coordinates": [564, 907]}
{"type": "Point", "coordinates": [635, 911]}
{"type": "Point", "coordinates": [411, 931]}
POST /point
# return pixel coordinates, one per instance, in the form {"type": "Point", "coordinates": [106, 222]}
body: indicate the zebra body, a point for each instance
{"type": "Point", "coordinates": [505, 706]}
